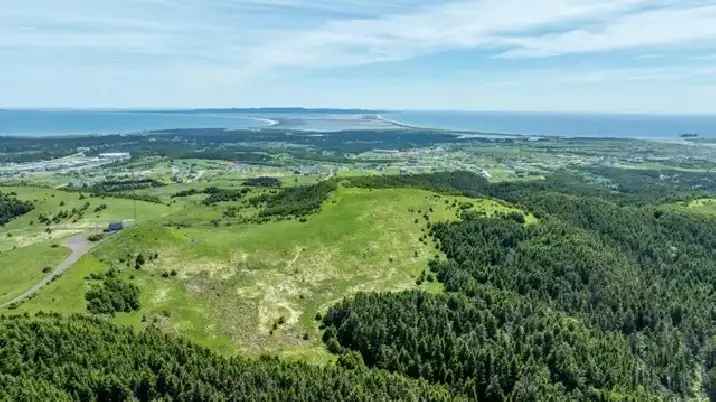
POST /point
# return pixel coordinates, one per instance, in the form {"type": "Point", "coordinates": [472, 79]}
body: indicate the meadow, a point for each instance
{"type": "Point", "coordinates": [706, 206]}
{"type": "Point", "coordinates": [34, 243]}
{"type": "Point", "coordinates": [256, 288]}
{"type": "Point", "coordinates": [20, 268]}
{"type": "Point", "coordinates": [28, 229]}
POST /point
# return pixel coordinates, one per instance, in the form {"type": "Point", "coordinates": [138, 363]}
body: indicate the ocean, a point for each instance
{"type": "Point", "coordinates": [39, 123]}
{"type": "Point", "coordinates": [43, 123]}
{"type": "Point", "coordinates": [563, 124]}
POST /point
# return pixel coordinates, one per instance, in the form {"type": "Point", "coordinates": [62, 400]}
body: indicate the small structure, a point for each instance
{"type": "Point", "coordinates": [115, 227]}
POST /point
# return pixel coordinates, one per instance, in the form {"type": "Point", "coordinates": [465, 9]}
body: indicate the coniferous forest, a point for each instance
{"type": "Point", "coordinates": [51, 358]}
{"type": "Point", "coordinates": [598, 301]}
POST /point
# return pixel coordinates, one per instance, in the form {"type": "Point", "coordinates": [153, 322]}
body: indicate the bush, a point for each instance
{"type": "Point", "coordinates": [113, 295]}
{"type": "Point", "coordinates": [95, 237]}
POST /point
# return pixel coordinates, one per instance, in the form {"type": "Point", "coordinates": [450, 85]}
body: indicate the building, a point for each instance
{"type": "Point", "coordinates": [115, 227]}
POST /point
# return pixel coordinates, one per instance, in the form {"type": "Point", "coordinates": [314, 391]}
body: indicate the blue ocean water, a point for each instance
{"type": "Point", "coordinates": [563, 124]}
{"type": "Point", "coordinates": [41, 123]}
{"type": "Point", "coordinates": [85, 122]}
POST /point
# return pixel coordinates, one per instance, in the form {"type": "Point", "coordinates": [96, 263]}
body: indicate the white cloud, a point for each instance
{"type": "Point", "coordinates": [465, 24]}
{"type": "Point", "coordinates": [141, 52]}
{"type": "Point", "coordinates": [253, 35]}
{"type": "Point", "coordinates": [665, 27]}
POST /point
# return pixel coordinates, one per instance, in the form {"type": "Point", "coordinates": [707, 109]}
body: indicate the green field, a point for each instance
{"type": "Point", "coordinates": [23, 267]}
{"type": "Point", "coordinates": [705, 206]}
{"type": "Point", "coordinates": [257, 288]}
{"type": "Point", "coordinates": [66, 294]}
{"type": "Point", "coordinates": [27, 229]}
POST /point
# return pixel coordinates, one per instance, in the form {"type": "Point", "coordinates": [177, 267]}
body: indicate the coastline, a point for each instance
{"type": "Point", "coordinates": [401, 124]}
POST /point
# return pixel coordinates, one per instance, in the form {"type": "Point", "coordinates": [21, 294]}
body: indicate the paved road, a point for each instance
{"type": "Point", "coordinates": [79, 246]}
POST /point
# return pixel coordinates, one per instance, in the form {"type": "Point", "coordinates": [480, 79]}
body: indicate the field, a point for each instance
{"type": "Point", "coordinates": [704, 206]}
{"type": "Point", "coordinates": [27, 229]}
{"type": "Point", "coordinates": [27, 245]}
{"type": "Point", "coordinates": [22, 267]}
{"type": "Point", "coordinates": [257, 288]}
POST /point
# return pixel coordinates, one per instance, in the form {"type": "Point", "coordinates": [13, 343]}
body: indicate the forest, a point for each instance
{"type": "Point", "coordinates": [48, 357]}
{"type": "Point", "coordinates": [599, 300]}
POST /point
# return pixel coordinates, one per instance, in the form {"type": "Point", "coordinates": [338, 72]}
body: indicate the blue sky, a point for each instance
{"type": "Point", "coordinates": [656, 56]}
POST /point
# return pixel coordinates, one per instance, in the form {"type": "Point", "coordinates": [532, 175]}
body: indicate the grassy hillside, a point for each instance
{"type": "Point", "coordinates": [257, 288]}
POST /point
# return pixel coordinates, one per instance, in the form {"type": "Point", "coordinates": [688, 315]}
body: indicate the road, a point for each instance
{"type": "Point", "coordinates": [79, 245]}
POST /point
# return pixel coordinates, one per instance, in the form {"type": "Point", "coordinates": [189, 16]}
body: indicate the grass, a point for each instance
{"type": "Point", "coordinates": [704, 206]}
{"type": "Point", "coordinates": [66, 294]}
{"type": "Point", "coordinates": [21, 268]}
{"type": "Point", "coordinates": [27, 229]}
{"type": "Point", "coordinates": [257, 288]}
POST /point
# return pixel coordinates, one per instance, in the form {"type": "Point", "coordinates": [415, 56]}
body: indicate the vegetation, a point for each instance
{"type": "Point", "coordinates": [128, 196]}
{"type": "Point", "coordinates": [227, 155]}
{"type": "Point", "coordinates": [77, 358]}
{"type": "Point", "coordinates": [567, 269]}
{"type": "Point", "coordinates": [469, 184]}
{"type": "Point", "coordinates": [11, 207]}
{"type": "Point", "coordinates": [494, 346]}
{"type": "Point", "coordinates": [217, 195]}
{"type": "Point", "coordinates": [597, 300]}
{"type": "Point", "coordinates": [233, 282]}
{"type": "Point", "coordinates": [269, 182]}
{"type": "Point", "coordinates": [22, 267]}
{"type": "Point", "coordinates": [112, 295]}
{"type": "Point", "coordinates": [295, 201]}
{"type": "Point", "coordinates": [112, 186]}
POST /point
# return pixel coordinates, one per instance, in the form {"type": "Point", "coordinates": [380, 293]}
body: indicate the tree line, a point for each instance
{"type": "Point", "coordinates": [48, 357]}
{"type": "Point", "coordinates": [293, 202]}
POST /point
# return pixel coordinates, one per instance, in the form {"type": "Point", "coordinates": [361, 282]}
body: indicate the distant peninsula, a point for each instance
{"type": "Point", "coordinates": [260, 110]}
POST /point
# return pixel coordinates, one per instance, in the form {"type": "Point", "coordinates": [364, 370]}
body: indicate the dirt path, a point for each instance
{"type": "Point", "coordinates": [79, 245]}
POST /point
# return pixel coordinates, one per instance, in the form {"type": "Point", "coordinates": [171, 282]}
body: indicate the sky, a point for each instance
{"type": "Point", "coordinates": [621, 56]}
